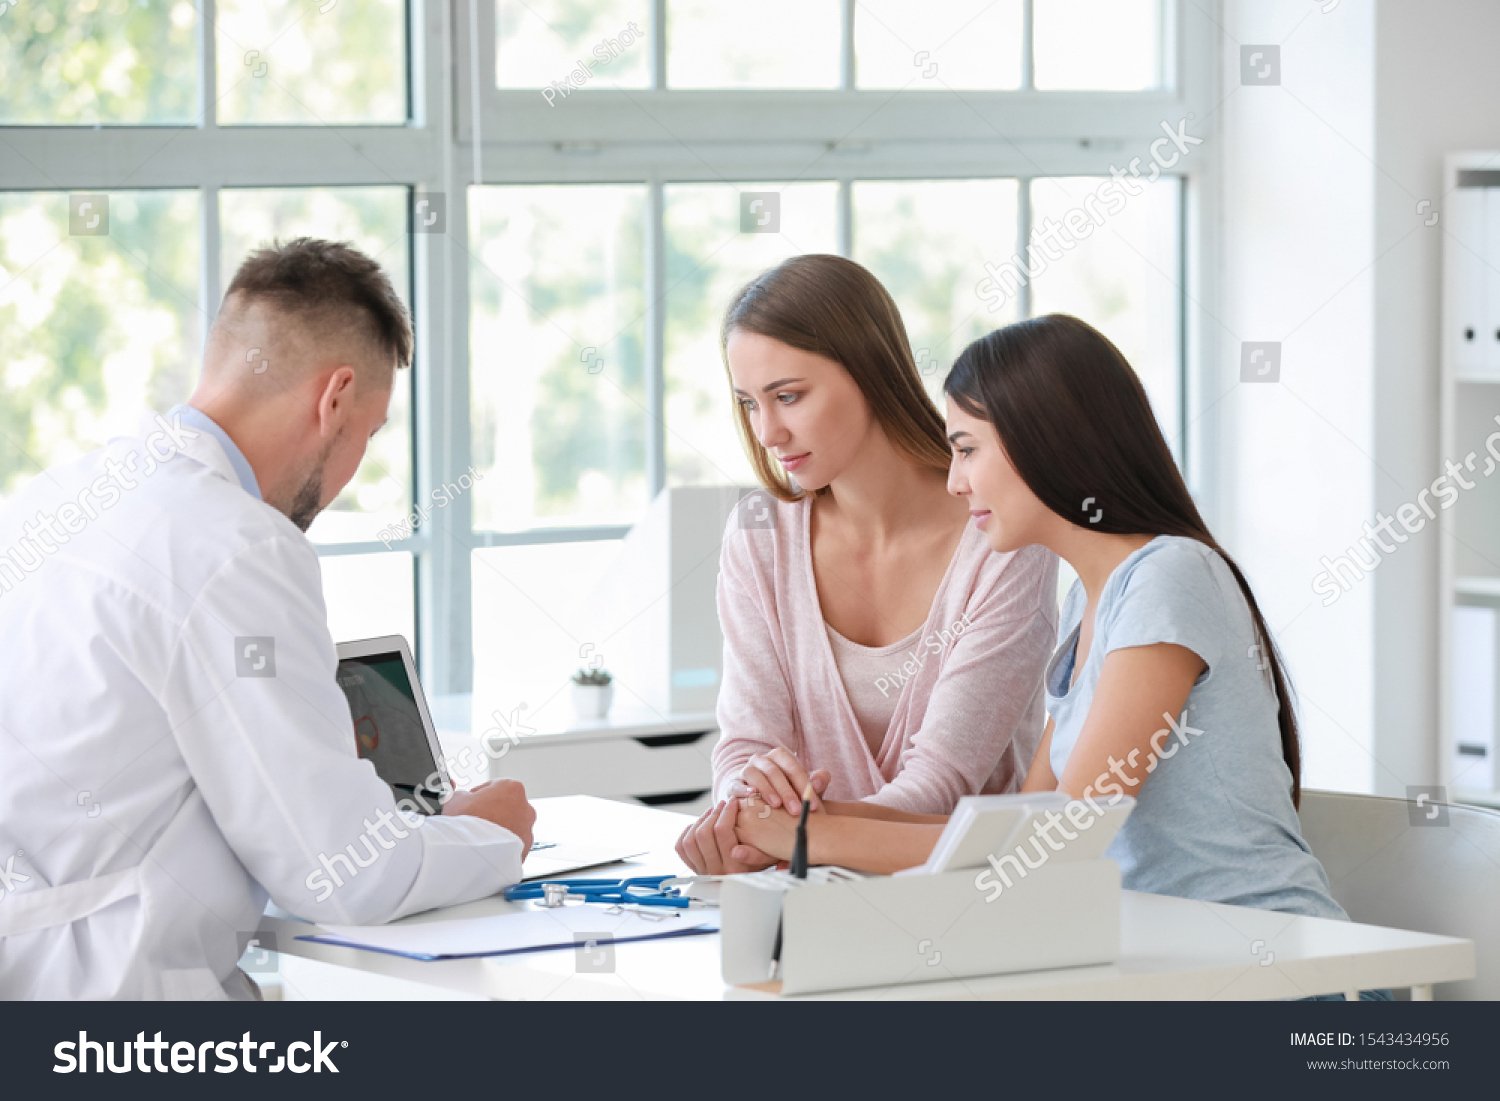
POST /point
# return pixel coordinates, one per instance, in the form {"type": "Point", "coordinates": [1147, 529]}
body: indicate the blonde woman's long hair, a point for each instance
{"type": "Point", "coordinates": [834, 308]}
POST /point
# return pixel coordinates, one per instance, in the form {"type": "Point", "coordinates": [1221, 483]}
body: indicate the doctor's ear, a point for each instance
{"type": "Point", "coordinates": [335, 399]}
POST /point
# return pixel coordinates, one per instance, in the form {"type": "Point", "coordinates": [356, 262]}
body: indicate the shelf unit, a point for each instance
{"type": "Point", "coordinates": [1469, 533]}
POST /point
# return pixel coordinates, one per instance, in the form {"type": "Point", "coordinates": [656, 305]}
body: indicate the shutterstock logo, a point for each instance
{"type": "Point", "coordinates": [251, 1055]}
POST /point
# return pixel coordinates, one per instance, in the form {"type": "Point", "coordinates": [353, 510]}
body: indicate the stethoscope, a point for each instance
{"type": "Point", "coordinates": [648, 890]}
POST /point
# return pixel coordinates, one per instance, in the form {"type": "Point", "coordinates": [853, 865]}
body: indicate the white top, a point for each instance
{"type": "Point", "coordinates": [175, 748]}
{"type": "Point", "coordinates": [866, 673]}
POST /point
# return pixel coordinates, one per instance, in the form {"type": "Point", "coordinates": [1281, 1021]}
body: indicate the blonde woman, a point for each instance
{"type": "Point", "coordinates": [873, 645]}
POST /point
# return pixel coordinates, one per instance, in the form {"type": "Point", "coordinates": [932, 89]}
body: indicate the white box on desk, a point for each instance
{"type": "Point", "coordinates": [889, 930]}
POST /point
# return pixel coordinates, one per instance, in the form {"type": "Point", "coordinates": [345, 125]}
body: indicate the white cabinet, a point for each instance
{"type": "Point", "coordinates": [1476, 628]}
{"type": "Point", "coordinates": [659, 760]}
{"type": "Point", "coordinates": [1491, 318]}
{"type": "Point", "coordinates": [1471, 274]}
{"type": "Point", "coordinates": [1469, 559]}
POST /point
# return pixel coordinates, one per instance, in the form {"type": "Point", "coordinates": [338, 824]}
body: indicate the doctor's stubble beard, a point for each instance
{"type": "Point", "coordinates": [304, 507]}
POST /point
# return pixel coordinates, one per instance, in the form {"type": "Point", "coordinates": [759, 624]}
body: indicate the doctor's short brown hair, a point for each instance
{"type": "Point", "coordinates": [329, 286]}
{"type": "Point", "coordinates": [834, 308]}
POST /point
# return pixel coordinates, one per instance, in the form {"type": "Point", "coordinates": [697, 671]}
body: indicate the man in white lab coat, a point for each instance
{"type": "Point", "coordinates": [173, 745]}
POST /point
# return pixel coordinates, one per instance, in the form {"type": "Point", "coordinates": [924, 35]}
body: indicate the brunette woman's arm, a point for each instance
{"type": "Point", "coordinates": [865, 844]}
{"type": "Point", "coordinates": [862, 809]}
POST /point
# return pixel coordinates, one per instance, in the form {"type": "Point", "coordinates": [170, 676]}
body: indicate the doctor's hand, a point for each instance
{"type": "Point", "coordinates": [709, 845]}
{"type": "Point", "coordinates": [779, 778]}
{"type": "Point", "coordinates": [502, 802]}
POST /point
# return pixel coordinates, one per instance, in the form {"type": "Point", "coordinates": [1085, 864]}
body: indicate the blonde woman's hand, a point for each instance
{"type": "Point", "coordinates": [779, 778]}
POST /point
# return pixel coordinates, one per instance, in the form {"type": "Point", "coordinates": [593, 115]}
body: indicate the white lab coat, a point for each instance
{"type": "Point", "coordinates": [151, 797]}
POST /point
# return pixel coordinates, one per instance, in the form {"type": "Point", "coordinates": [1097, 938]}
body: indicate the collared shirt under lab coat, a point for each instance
{"type": "Point", "coordinates": [173, 744]}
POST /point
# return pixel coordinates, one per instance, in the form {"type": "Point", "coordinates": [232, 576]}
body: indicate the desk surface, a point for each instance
{"type": "Point", "coordinates": [1171, 948]}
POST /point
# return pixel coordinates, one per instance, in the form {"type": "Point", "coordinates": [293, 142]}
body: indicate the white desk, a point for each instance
{"type": "Point", "coordinates": [1171, 948]}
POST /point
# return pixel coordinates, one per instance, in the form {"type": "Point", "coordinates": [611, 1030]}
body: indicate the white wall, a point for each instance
{"type": "Point", "coordinates": [1294, 459]}
{"type": "Point", "coordinates": [1322, 246]}
{"type": "Point", "coordinates": [1437, 91]}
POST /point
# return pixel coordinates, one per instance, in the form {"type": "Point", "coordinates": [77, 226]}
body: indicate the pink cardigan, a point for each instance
{"type": "Point", "coordinates": [969, 716]}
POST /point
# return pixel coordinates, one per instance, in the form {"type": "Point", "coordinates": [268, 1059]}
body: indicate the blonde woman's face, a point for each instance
{"type": "Point", "coordinates": [805, 409]}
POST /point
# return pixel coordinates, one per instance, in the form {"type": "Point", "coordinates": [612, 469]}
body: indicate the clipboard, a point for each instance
{"type": "Point", "coordinates": [538, 930]}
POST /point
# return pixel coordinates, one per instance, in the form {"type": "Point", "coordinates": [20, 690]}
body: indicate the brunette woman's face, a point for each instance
{"type": "Point", "coordinates": [804, 408]}
{"type": "Point", "coordinates": [1001, 503]}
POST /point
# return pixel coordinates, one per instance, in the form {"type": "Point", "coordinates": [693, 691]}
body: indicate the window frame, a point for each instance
{"type": "Point", "coordinates": [654, 137]}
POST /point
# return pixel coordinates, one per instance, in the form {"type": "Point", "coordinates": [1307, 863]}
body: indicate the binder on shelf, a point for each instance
{"type": "Point", "coordinates": [1473, 670]}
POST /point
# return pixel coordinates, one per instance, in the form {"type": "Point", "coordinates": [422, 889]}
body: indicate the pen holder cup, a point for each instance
{"type": "Point", "coordinates": [840, 930]}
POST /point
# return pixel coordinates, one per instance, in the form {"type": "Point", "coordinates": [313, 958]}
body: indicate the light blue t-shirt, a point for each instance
{"type": "Point", "coordinates": [1214, 820]}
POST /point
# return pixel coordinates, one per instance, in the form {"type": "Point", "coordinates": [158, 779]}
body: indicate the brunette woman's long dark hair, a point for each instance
{"type": "Point", "coordinates": [1076, 424]}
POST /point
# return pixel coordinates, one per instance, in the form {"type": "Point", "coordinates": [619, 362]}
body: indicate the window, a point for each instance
{"type": "Point", "coordinates": [1111, 45]}
{"type": "Point", "coordinates": [928, 242]}
{"type": "Point", "coordinates": [719, 236]}
{"type": "Point", "coordinates": [348, 582]}
{"type": "Point", "coordinates": [311, 63]}
{"type": "Point", "coordinates": [527, 642]}
{"type": "Point", "coordinates": [567, 192]}
{"type": "Point", "coordinates": [1123, 277]}
{"type": "Point", "coordinates": [557, 391]}
{"type": "Point", "coordinates": [98, 62]}
{"type": "Point", "coordinates": [971, 44]}
{"type": "Point", "coordinates": [541, 41]}
{"type": "Point", "coordinates": [99, 319]}
{"type": "Point", "coordinates": [768, 44]}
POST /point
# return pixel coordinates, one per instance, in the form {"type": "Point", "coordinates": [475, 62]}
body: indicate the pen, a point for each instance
{"type": "Point", "coordinates": [799, 847]}
{"type": "Point", "coordinates": [798, 869]}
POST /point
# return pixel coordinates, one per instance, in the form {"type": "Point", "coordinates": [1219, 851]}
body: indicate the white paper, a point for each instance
{"type": "Point", "coordinates": [531, 930]}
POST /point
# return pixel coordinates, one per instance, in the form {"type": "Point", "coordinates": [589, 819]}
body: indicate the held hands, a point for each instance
{"type": "Point", "coordinates": [726, 838]}
{"type": "Point", "coordinates": [780, 779]}
{"type": "Point", "coordinates": [502, 802]}
{"type": "Point", "coordinates": [739, 835]}
{"type": "Point", "coordinates": [710, 846]}
{"type": "Point", "coordinates": [764, 829]}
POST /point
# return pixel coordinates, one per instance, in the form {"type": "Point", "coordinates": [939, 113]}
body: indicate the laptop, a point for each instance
{"type": "Point", "coordinates": [393, 731]}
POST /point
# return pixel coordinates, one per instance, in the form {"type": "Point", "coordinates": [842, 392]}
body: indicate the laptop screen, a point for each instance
{"type": "Point", "coordinates": [388, 730]}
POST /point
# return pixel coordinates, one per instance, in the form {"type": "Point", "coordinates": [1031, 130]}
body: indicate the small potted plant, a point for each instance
{"type": "Point", "coordinates": [593, 691]}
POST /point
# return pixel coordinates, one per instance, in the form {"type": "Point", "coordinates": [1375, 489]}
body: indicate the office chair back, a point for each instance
{"type": "Point", "coordinates": [1429, 867]}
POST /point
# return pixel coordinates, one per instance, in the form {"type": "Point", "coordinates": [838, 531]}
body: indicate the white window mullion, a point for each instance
{"type": "Point", "coordinates": [658, 58]}
{"type": "Point", "coordinates": [845, 220]}
{"type": "Point", "coordinates": [208, 64]}
{"type": "Point", "coordinates": [847, 74]}
{"type": "Point", "coordinates": [1023, 243]}
{"type": "Point", "coordinates": [440, 405]}
{"type": "Point", "coordinates": [656, 328]}
{"type": "Point", "coordinates": [1028, 51]}
{"type": "Point", "coordinates": [209, 290]}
